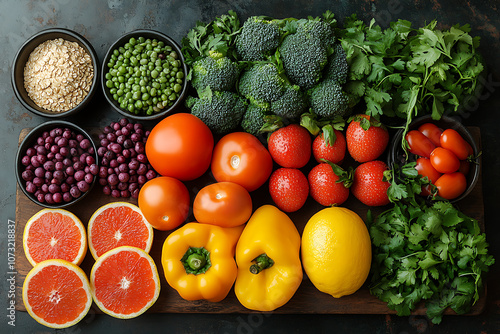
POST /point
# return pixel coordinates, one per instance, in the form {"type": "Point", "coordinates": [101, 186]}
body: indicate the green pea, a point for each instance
{"type": "Point", "coordinates": [177, 88]}
{"type": "Point", "coordinates": [138, 104]}
{"type": "Point", "coordinates": [116, 53]}
{"type": "Point", "coordinates": [136, 95]}
{"type": "Point", "coordinates": [131, 108]}
{"type": "Point", "coordinates": [179, 75]}
{"type": "Point", "coordinates": [109, 84]}
{"type": "Point", "coordinates": [132, 41]}
{"type": "Point", "coordinates": [172, 97]}
{"type": "Point", "coordinates": [145, 96]}
{"type": "Point", "coordinates": [154, 73]}
{"type": "Point", "coordinates": [152, 92]}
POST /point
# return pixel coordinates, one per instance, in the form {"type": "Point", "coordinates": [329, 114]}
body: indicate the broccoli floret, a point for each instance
{"type": "Point", "coordinates": [258, 38]}
{"type": "Point", "coordinates": [221, 111]}
{"type": "Point", "coordinates": [337, 67]}
{"type": "Point", "coordinates": [291, 104]}
{"type": "Point", "coordinates": [262, 84]}
{"type": "Point", "coordinates": [327, 99]}
{"type": "Point", "coordinates": [254, 119]}
{"type": "Point", "coordinates": [318, 29]}
{"type": "Point", "coordinates": [304, 57]}
{"type": "Point", "coordinates": [216, 71]}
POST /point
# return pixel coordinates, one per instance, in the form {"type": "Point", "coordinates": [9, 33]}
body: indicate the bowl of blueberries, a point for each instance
{"type": "Point", "coordinates": [56, 164]}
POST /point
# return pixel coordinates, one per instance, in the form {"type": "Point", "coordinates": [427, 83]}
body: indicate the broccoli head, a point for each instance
{"type": "Point", "coordinates": [221, 111]}
{"type": "Point", "coordinates": [327, 99]}
{"type": "Point", "coordinates": [304, 57]}
{"type": "Point", "coordinates": [262, 84]}
{"type": "Point", "coordinates": [337, 67]}
{"type": "Point", "coordinates": [318, 29]}
{"type": "Point", "coordinates": [258, 39]}
{"type": "Point", "coordinates": [254, 119]}
{"type": "Point", "coordinates": [291, 104]}
{"type": "Point", "coordinates": [215, 71]}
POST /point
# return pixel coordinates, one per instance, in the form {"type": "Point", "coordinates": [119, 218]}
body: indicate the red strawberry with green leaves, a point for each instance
{"type": "Point", "coordinates": [329, 184]}
{"type": "Point", "coordinates": [288, 188]}
{"type": "Point", "coordinates": [290, 146]}
{"type": "Point", "coordinates": [366, 138]}
{"type": "Point", "coordinates": [329, 146]}
{"type": "Point", "coordinates": [369, 184]}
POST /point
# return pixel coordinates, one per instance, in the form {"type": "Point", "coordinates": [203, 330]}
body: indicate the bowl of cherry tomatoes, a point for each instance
{"type": "Point", "coordinates": [444, 150]}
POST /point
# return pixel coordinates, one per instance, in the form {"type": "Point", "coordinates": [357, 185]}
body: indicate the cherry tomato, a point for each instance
{"type": "Point", "coordinates": [241, 158]}
{"type": "Point", "coordinates": [451, 185]}
{"type": "Point", "coordinates": [164, 201]}
{"type": "Point", "coordinates": [180, 146]}
{"type": "Point", "coordinates": [453, 141]}
{"type": "Point", "coordinates": [444, 161]}
{"type": "Point", "coordinates": [431, 131]}
{"type": "Point", "coordinates": [425, 168]}
{"type": "Point", "coordinates": [419, 144]}
{"type": "Point", "coordinates": [225, 204]}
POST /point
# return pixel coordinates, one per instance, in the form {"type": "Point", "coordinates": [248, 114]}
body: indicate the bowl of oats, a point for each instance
{"type": "Point", "coordinates": [55, 73]}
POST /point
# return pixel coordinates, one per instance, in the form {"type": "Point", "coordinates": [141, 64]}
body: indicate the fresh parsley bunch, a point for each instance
{"type": "Point", "coordinates": [423, 251]}
{"type": "Point", "coordinates": [402, 71]}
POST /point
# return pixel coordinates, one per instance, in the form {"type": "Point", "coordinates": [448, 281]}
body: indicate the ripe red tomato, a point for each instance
{"type": "Point", "coordinates": [334, 153]}
{"type": "Point", "coordinates": [431, 131]}
{"type": "Point", "coordinates": [241, 158]}
{"type": "Point", "coordinates": [164, 201]}
{"type": "Point", "coordinates": [453, 141]}
{"type": "Point", "coordinates": [419, 144]}
{"type": "Point", "coordinates": [444, 161]}
{"type": "Point", "coordinates": [225, 204]}
{"type": "Point", "coordinates": [180, 146]}
{"type": "Point", "coordinates": [451, 185]}
{"type": "Point", "coordinates": [425, 168]}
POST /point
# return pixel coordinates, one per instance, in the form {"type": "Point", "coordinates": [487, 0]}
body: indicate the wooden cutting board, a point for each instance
{"type": "Point", "coordinates": [307, 299]}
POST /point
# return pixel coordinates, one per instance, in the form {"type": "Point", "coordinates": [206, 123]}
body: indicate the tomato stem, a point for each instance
{"type": "Point", "coordinates": [261, 262]}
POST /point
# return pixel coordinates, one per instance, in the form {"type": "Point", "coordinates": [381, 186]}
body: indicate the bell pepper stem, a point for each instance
{"type": "Point", "coordinates": [196, 260]}
{"type": "Point", "coordinates": [261, 262]}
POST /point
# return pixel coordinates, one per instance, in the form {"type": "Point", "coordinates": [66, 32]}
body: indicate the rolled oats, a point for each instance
{"type": "Point", "coordinates": [58, 75]}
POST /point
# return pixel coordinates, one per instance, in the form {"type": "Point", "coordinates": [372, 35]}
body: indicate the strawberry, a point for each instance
{"type": "Point", "coordinates": [366, 138]}
{"type": "Point", "coordinates": [290, 146]}
{"type": "Point", "coordinates": [332, 150]}
{"type": "Point", "coordinates": [369, 185]}
{"type": "Point", "coordinates": [329, 184]}
{"type": "Point", "coordinates": [288, 188]}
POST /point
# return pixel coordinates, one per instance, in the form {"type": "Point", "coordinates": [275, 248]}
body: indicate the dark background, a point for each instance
{"type": "Point", "coordinates": [102, 22]}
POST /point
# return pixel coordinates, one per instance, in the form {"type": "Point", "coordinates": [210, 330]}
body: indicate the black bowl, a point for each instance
{"type": "Point", "coordinates": [397, 155]}
{"type": "Point", "coordinates": [30, 141]}
{"type": "Point", "coordinates": [17, 76]}
{"type": "Point", "coordinates": [151, 34]}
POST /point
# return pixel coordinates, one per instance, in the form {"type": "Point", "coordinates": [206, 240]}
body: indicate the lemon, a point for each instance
{"type": "Point", "coordinates": [336, 251]}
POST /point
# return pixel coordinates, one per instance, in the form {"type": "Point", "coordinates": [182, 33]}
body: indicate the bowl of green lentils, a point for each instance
{"type": "Point", "coordinates": [144, 75]}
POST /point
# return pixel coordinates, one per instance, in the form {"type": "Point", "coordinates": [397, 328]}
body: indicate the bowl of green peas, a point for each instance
{"type": "Point", "coordinates": [144, 75]}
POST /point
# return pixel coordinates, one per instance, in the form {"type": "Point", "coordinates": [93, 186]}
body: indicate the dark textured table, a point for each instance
{"type": "Point", "coordinates": [102, 22]}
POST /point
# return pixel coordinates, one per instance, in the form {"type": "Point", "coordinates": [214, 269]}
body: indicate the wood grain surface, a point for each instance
{"type": "Point", "coordinates": [307, 299]}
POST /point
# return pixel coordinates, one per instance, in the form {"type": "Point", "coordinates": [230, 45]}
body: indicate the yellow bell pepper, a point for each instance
{"type": "Point", "coordinates": [198, 260]}
{"type": "Point", "coordinates": [268, 259]}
